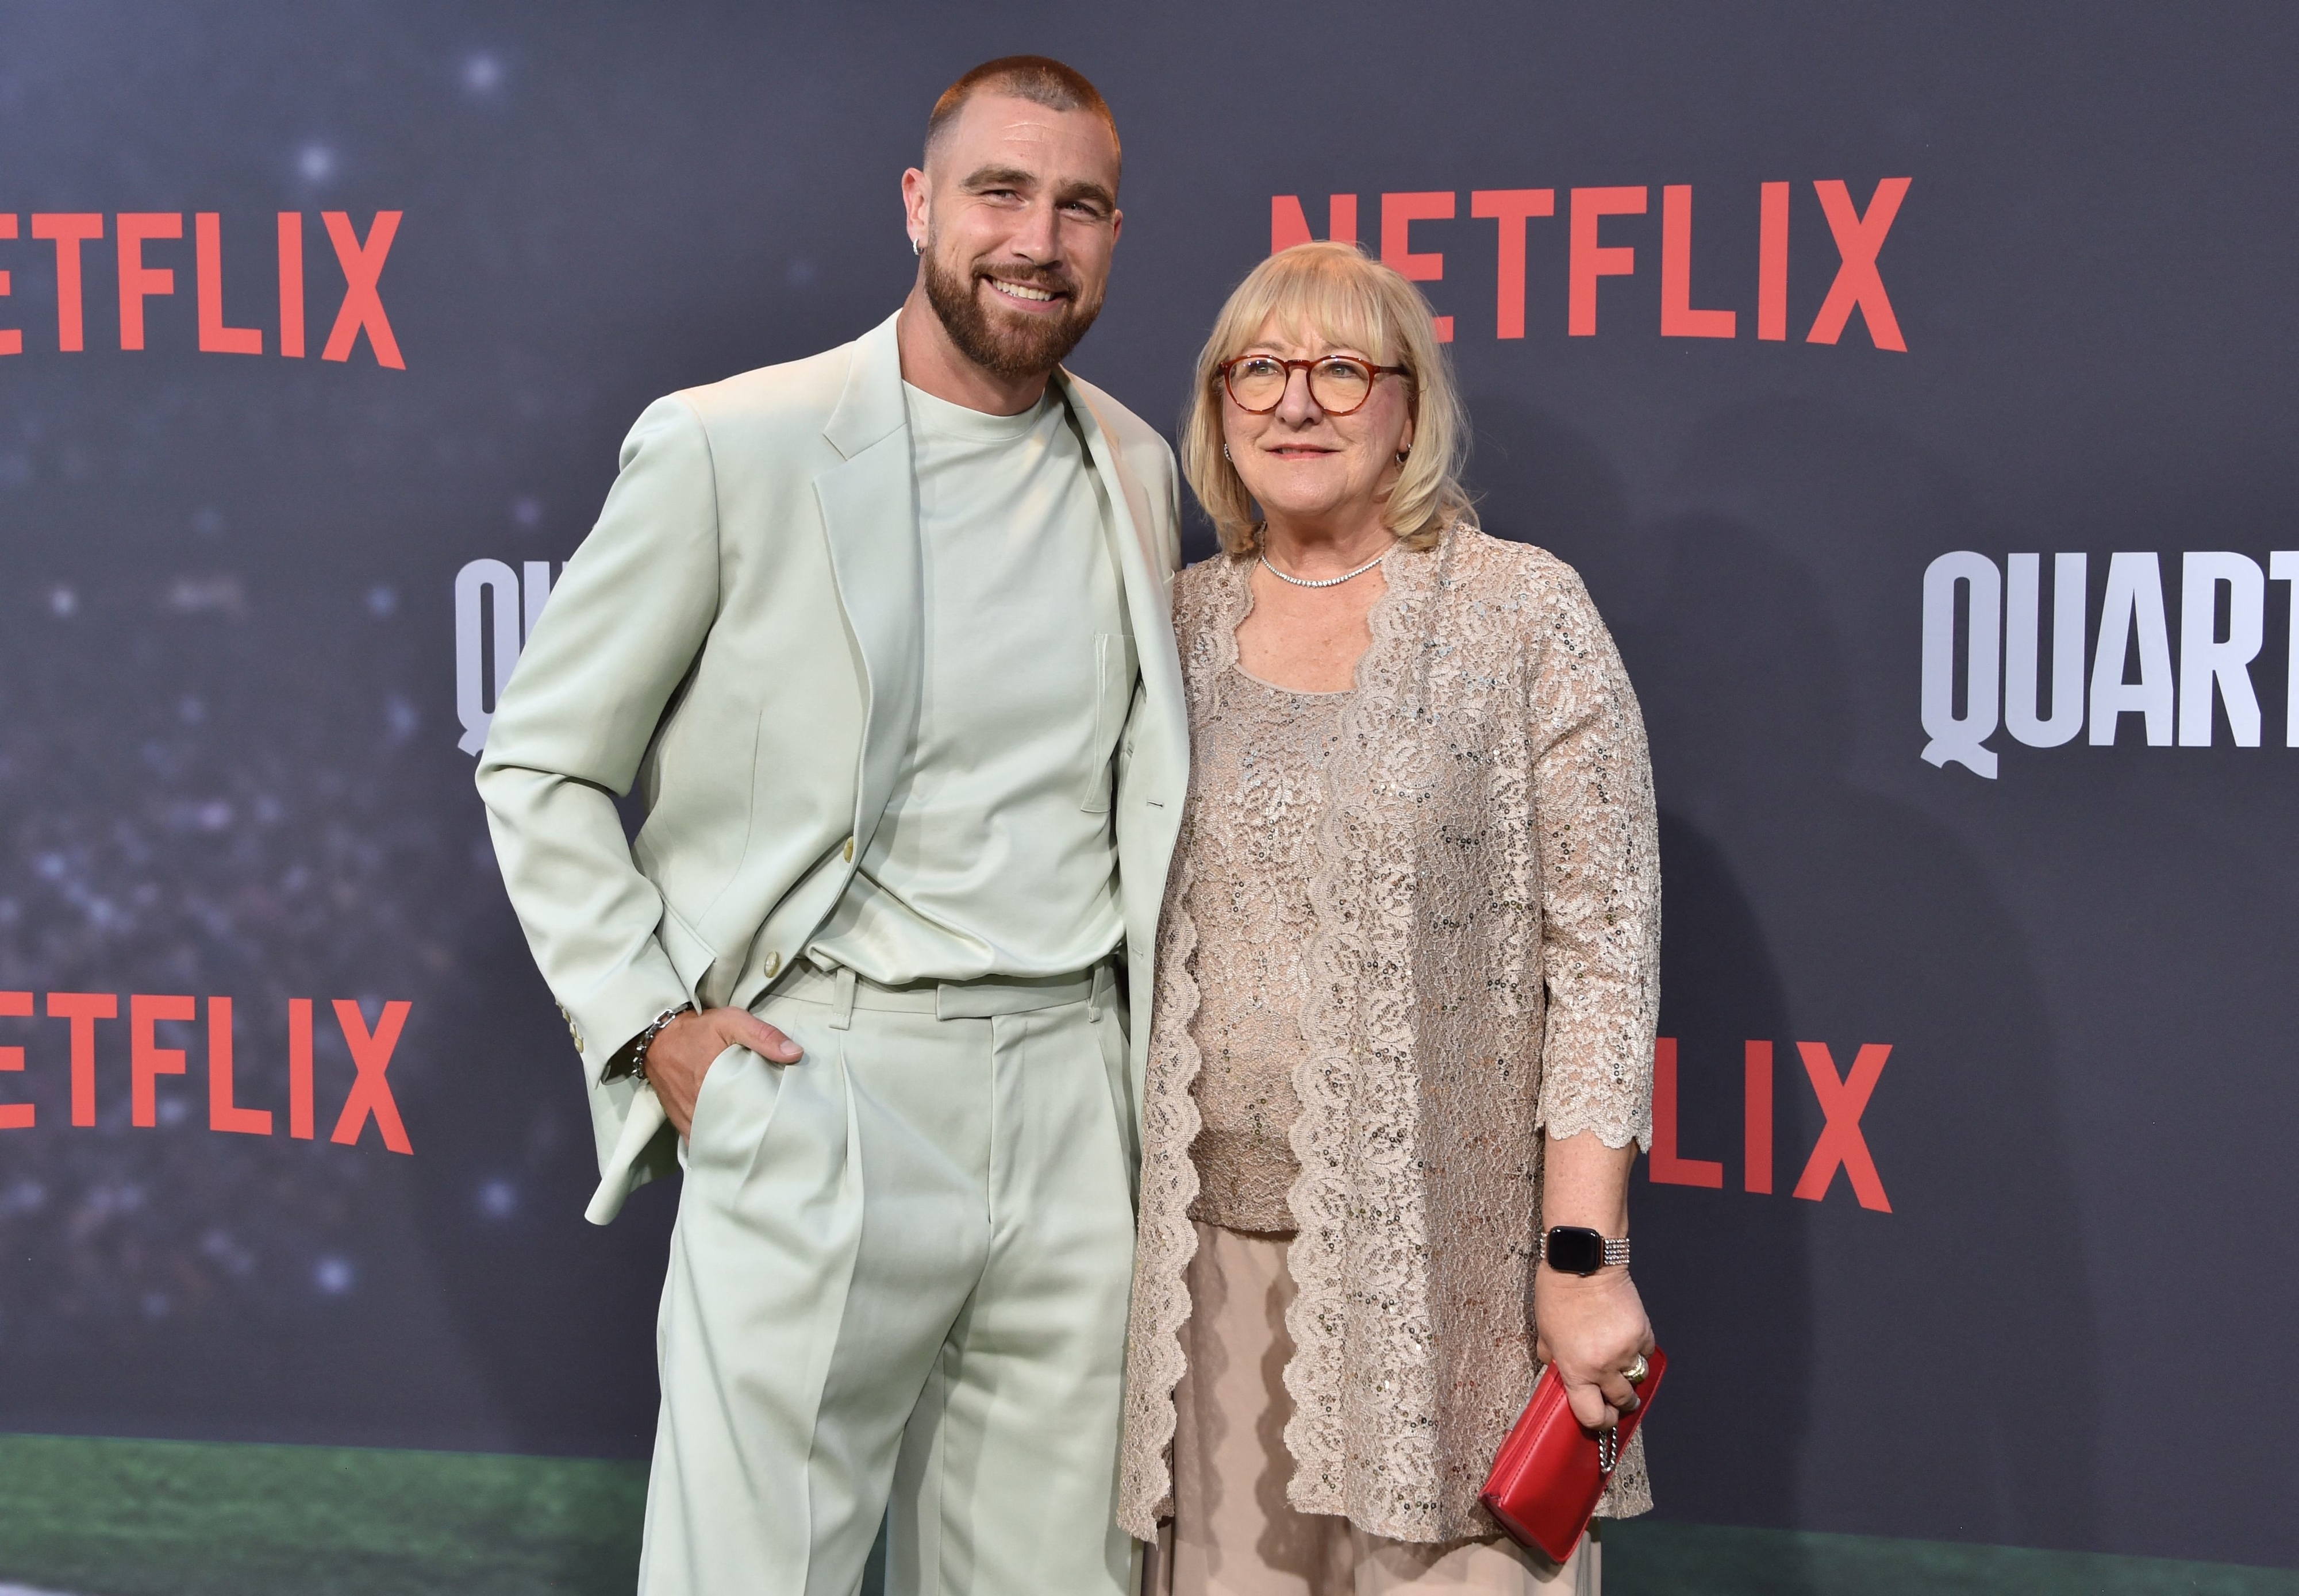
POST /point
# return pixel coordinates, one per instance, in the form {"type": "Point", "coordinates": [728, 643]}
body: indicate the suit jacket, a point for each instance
{"type": "Point", "coordinates": [740, 638]}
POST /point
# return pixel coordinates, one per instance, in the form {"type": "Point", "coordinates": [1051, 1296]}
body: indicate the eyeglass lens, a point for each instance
{"type": "Point", "coordinates": [1338, 384]}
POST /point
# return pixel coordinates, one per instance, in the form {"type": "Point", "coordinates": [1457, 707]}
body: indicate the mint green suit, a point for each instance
{"type": "Point", "coordinates": [908, 1251]}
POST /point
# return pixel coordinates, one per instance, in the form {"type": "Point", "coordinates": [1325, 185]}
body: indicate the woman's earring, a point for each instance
{"type": "Point", "coordinates": [1402, 454]}
{"type": "Point", "coordinates": [1226, 453]}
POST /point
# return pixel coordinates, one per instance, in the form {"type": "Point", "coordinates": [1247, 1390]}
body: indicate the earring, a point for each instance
{"type": "Point", "coordinates": [914, 246]}
{"type": "Point", "coordinates": [1225, 452]}
{"type": "Point", "coordinates": [1402, 454]}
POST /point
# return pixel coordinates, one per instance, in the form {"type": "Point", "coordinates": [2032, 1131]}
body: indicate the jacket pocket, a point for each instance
{"type": "Point", "coordinates": [1115, 667]}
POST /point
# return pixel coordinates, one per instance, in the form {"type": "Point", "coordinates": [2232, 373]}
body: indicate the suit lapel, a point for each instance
{"type": "Point", "coordinates": [1155, 780]}
{"type": "Point", "coordinates": [870, 513]}
{"type": "Point", "coordinates": [1148, 599]}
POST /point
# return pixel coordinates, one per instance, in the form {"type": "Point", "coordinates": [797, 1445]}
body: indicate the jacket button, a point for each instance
{"type": "Point", "coordinates": [774, 965]}
{"type": "Point", "coordinates": [849, 850]}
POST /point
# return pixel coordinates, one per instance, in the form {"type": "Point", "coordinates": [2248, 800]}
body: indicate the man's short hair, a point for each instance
{"type": "Point", "coordinates": [1039, 78]}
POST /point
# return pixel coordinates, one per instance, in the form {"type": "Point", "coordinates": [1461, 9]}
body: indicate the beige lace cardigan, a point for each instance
{"type": "Point", "coordinates": [1484, 961]}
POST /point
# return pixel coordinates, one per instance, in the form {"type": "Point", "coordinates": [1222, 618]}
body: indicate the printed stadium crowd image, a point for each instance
{"type": "Point", "coordinates": [1152, 802]}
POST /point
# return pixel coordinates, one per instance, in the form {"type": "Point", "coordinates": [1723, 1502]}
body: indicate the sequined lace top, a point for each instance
{"type": "Point", "coordinates": [1479, 967]}
{"type": "Point", "coordinates": [1260, 752]}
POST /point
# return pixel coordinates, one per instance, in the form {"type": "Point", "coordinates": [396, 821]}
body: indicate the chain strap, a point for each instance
{"type": "Point", "coordinates": [645, 1039]}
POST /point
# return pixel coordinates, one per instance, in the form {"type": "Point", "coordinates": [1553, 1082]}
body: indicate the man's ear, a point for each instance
{"type": "Point", "coordinates": [917, 205]}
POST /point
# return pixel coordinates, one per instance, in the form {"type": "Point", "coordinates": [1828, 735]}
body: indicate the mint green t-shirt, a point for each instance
{"type": "Point", "coordinates": [995, 856]}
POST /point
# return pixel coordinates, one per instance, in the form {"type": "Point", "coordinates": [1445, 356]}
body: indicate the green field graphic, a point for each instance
{"type": "Point", "coordinates": [108, 1517]}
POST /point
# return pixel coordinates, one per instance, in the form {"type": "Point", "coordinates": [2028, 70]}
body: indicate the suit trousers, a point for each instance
{"type": "Point", "coordinates": [898, 1289]}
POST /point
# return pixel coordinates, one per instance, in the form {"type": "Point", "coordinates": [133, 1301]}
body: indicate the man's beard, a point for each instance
{"type": "Point", "coordinates": [1011, 347]}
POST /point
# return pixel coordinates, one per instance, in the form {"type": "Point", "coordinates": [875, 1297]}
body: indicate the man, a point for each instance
{"type": "Point", "coordinates": [864, 630]}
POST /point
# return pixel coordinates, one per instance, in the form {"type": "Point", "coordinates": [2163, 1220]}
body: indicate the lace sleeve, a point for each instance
{"type": "Point", "coordinates": [1599, 842]}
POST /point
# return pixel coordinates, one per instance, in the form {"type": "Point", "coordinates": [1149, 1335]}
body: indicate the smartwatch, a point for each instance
{"type": "Point", "coordinates": [1577, 1250]}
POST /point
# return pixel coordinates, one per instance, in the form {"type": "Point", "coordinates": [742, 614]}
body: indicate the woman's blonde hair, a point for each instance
{"type": "Point", "coordinates": [1337, 292]}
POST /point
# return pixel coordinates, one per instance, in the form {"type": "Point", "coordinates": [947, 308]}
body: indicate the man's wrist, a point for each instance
{"type": "Point", "coordinates": [629, 1060]}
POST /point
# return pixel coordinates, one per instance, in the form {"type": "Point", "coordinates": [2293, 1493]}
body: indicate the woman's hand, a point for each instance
{"type": "Point", "coordinates": [681, 1053]}
{"type": "Point", "coordinates": [1593, 1328]}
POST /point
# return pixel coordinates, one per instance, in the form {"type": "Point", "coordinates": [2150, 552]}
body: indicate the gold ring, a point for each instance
{"type": "Point", "coordinates": [1636, 1372]}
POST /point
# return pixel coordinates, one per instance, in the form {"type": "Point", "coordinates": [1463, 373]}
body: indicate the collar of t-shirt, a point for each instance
{"type": "Point", "coordinates": [939, 418]}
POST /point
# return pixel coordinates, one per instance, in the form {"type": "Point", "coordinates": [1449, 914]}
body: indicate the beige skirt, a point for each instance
{"type": "Point", "coordinates": [1233, 1533]}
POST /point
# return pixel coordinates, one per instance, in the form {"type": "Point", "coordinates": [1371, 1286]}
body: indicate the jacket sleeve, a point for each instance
{"type": "Point", "coordinates": [1598, 838]}
{"type": "Point", "coordinates": [622, 628]}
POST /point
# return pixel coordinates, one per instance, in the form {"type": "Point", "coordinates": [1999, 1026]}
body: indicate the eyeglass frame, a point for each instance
{"type": "Point", "coordinates": [1378, 372]}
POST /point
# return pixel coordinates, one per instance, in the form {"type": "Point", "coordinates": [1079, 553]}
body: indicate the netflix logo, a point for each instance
{"type": "Point", "coordinates": [367, 1102]}
{"type": "Point", "coordinates": [1843, 1096]}
{"type": "Point", "coordinates": [145, 243]}
{"type": "Point", "coordinates": [1859, 233]}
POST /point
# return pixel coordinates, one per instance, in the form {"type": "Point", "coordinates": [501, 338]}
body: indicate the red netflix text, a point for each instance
{"type": "Point", "coordinates": [145, 243]}
{"type": "Point", "coordinates": [1858, 232]}
{"type": "Point", "coordinates": [149, 1057]}
{"type": "Point", "coordinates": [1843, 1099]}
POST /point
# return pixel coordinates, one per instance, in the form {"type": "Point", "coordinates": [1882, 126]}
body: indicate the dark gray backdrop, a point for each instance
{"type": "Point", "coordinates": [228, 727]}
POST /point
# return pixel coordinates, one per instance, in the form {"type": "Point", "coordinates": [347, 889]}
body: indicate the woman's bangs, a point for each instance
{"type": "Point", "coordinates": [1324, 304]}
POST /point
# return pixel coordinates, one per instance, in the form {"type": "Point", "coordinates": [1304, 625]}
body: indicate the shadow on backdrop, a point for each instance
{"type": "Point", "coordinates": [1924, 1320]}
{"type": "Point", "coordinates": [1839, 1357]}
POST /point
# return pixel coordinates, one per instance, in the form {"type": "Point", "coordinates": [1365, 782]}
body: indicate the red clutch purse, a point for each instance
{"type": "Point", "coordinates": [1549, 1472]}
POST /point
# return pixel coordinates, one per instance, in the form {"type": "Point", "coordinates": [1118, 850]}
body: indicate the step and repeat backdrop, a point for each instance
{"type": "Point", "coordinates": [1912, 386]}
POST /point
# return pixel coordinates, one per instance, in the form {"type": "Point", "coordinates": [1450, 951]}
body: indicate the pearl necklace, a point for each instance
{"type": "Point", "coordinates": [1329, 581]}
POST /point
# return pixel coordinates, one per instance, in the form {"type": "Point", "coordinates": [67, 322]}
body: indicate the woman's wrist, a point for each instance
{"type": "Point", "coordinates": [1569, 1280]}
{"type": "Point", "coordinates": [1586, 1184]}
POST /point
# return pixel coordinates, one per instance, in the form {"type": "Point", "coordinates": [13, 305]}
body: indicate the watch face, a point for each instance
{"type": "Point", "coordinates": [1575, 1250]}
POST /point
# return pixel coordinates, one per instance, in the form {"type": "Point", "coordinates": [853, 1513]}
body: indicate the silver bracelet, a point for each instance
{"type": "Point", "coordinates": [646, 1038]}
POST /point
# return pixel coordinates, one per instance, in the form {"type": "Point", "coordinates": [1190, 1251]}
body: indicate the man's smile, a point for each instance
{"type": "Point", "coordinates": [1024, 292]}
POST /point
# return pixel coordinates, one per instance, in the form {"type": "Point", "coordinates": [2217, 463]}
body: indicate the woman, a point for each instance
{"type": "Point", "coordinates": [1412, 924]}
